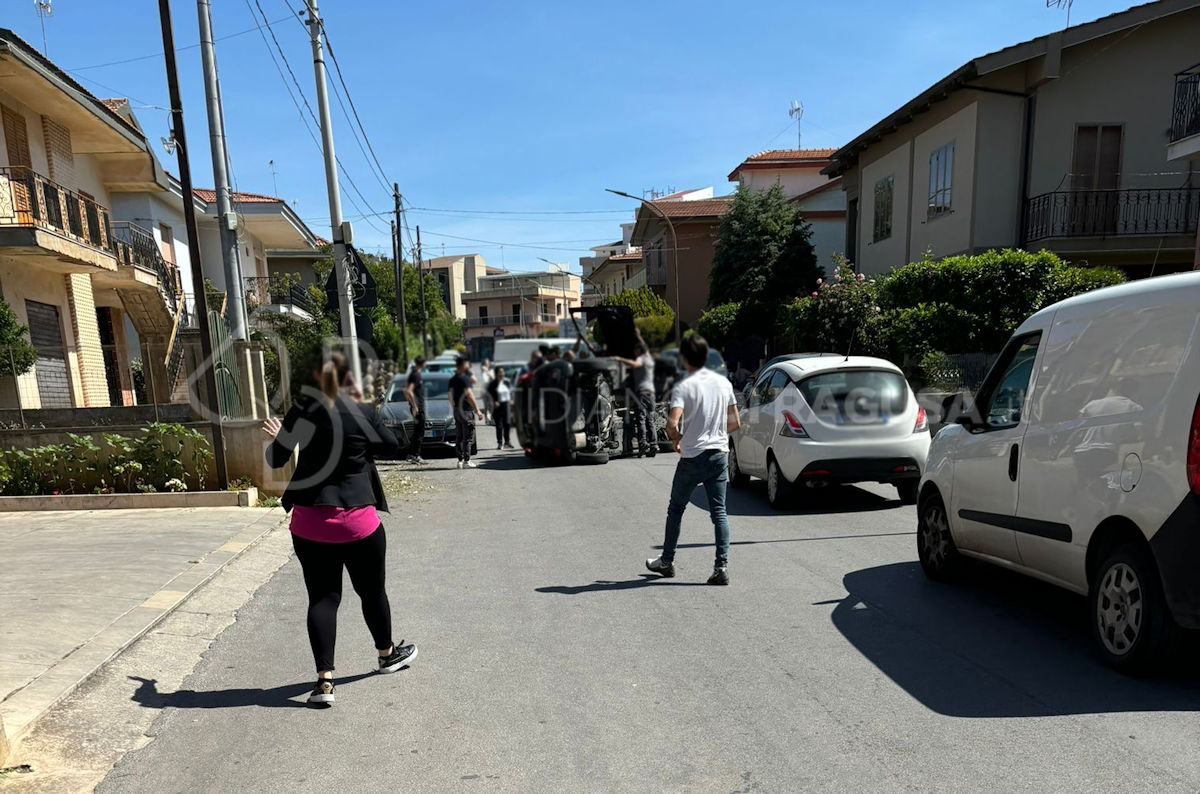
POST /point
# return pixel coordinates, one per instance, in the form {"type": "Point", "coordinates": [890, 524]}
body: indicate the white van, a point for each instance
{"type": "Point", "coordinates": [1078, 463]}
{"type": "Point", "coordinates": [522, 349]}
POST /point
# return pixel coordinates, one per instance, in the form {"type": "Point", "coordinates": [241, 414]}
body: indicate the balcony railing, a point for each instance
{"type": "Point", "coordinates": [1113, 213]}
{"type": "Point", "coordinates": [282, 289]}
{"type": "Point", "coordinates": [136, 247]}
{"type": "Point", "coordinates": [510, 319]}
{"type": "Point", "coordinates": [1185, 113]}
{"type": "Point", "coordinates": [28, 199]}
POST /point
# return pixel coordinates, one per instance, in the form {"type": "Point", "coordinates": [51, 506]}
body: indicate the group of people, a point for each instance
{"type": "Point", "coordinates": [335, 493]}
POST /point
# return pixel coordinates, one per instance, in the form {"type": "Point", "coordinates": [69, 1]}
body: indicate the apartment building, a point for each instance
{"type": "Point", "coordinates": [525, 305]}
{"type": "Point", "coordinates": [456, 275]}
{"type": "Point", "coordinates": [1061, 143]}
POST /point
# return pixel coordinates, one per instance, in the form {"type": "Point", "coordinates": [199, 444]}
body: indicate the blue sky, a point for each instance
{"type": "Point", "coordinates": [512, 111]}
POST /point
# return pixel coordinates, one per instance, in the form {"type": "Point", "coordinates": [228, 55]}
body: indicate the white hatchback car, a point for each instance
{"type": "Point", "coordinates": [823, 419]}
{"type": "Point", "coordinates": [1078, 463]}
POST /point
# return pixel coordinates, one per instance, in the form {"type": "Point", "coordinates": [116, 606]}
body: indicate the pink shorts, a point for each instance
{"type": "Point", "coordinates": [329, 524]}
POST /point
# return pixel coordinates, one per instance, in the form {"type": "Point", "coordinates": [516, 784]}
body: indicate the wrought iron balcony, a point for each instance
{"type": "Point", "coordinates": [510, 319]}
{"type": "Point", "coordinates": [1112, 213]}
{"type": "Point", "coordinates": [1185, 113]}
{"type": "Point", "coordinates": [135, 246]}
{"type": "Point", "coordinates": [30, 200]}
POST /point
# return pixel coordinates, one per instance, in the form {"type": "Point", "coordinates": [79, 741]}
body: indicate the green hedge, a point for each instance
{"type": "Point", "coordinates": [157, 460]}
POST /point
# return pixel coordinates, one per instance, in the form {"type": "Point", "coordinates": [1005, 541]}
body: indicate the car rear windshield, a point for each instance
{"type": "Point", "coordinates": [434, 388]}
{"type": "Point", "coordinates": [855, 396]}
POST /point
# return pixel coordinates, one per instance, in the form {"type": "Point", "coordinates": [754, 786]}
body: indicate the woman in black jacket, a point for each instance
{"type": "Point", "coordinates": [333, 497]}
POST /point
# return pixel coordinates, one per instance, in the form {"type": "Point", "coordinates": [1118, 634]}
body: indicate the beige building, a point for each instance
{"type": "Point", "coordinates": [70, 272]}
{"type": "Point", "coordinates": [819, 197]}
{"type": "Point", "coordinates": [616, 273]}
{"type": "Point", "coordinates": [518, 305]}
{"type": "Point", "coordinates": [456, 275]}
{"type": "Point", "coordinates": [1055, 143]}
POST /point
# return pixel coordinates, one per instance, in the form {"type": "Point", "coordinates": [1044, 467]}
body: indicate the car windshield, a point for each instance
{"type": "Point", "coordinates": [864, 396]}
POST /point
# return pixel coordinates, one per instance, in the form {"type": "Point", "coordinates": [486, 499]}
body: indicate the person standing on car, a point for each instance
{"type": "Point", "coordinates": [704, 403]}
{"type": "Point", "coordinates": [499, 392]}
{"type": "Point", "coordinates": [333, 497]}
{"type": "Point", "coordinates": [414, 392]}
{"type": "Point", "coordinates": [466, 411]}
{"type": "Point", "coordinates": [640, 398]}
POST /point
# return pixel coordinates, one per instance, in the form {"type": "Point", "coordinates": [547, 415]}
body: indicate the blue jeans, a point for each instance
{"type": "Point", "coordinates": [710, 469]}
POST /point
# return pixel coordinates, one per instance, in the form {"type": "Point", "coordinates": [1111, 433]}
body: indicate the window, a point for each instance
{"type": "Point", "coordinates": [1096, 164]}
{"type": "Point", "coordinates": [166, 243]}
{"type": "Point", "coordinates": [516, 312]}
{"type": "Point", "coordinates": [860, 396]}
{"type": "Point", "coordinates": [1006, 400]}
{"type": "Point", "coordinates": [941, 180]}
{"type": "Point", "coordinates": [483, 315]}
{"type": "Point", "coordinates": [883, 208]}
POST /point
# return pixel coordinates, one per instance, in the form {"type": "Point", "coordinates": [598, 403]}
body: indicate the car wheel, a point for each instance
{"type": "Point", "coordinates": [737, 477]}
{"type": "Point", "coordinates": [591, 458]}
{"type": "Point", "coordinates": [935, 546]}
{"type": "Point", "coordinates": [779, 490]}
{"type": "Point", "coordinates": [1129, 616]}
{"type": "Point", "coordinates": [907, 491]}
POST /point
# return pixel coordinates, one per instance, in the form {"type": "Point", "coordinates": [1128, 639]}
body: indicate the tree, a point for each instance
{"type": "Point", "coordinates": [17, 355]}
{"type": "Point", "coordinates": [643, 302]}
{"type": "Point", "coordinates": [763, 257]}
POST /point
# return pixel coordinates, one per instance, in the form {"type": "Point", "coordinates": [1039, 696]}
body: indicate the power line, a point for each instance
{"type": "Point", "coordinates": [159, 54]}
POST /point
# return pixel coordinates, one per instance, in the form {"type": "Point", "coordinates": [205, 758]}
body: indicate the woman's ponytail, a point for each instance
{"type": "Point", "coordinates": [333, 374]}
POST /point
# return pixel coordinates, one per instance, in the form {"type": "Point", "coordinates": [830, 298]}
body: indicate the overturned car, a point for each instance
{"type": "Point", "coordinates": [576, 411]}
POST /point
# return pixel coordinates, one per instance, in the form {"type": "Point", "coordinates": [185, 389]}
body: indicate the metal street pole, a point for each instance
{"type": "Point", "coordinates": [674, 252]}
{"type": "Point", "coordinates": [235, 311]}
{"type": "Point", "coordinates": [399, 266]}
{"type": "Point", "coordinates": [421, 281]}
{"type": "Point", "coordinates": [189, 217]}
{"type": "Point", "coordinates": [341, 262]}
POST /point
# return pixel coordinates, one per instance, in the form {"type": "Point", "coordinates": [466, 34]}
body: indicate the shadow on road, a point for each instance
{"type": "Point", "coordinates": [999, 645]}
{"type": "Point", "coordinates": [147, 695]}
{"type": "Point", "coordinates": [752, 501]}
{"type": "Point", "coordinates": [602, 585]}
{"type": "Point", "coordinates": [793, 540]}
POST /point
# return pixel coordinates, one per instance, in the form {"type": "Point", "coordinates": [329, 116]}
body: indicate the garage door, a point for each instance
{"type": "Point", "coordinates": [45, 332]}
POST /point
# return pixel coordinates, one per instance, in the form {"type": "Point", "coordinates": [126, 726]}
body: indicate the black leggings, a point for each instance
{"type": "Point", "coordinates": [322, 564]}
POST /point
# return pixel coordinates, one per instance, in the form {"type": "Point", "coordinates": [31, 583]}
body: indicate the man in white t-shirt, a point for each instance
{"type": "Point", "coordinates": [703, 413]}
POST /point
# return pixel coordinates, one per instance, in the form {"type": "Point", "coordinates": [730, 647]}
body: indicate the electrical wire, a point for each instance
{"type": "Point", "coordinates": [159, 54]}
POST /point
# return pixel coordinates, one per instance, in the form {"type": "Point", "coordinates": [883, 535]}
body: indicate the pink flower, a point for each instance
{"type": "Point", "coordinates": [814, 294]}
{"type": "Point", "coordinates": [820, 281]}
{"type": "Point", "coordinates": [862, 276]}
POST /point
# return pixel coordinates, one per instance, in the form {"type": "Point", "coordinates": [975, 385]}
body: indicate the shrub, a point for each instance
{"type": "Point", "coordinates": [657, 330]}
{"type": "Point", "coordinates": [719, 324]}
{"type": "Point", "coordinates": [837, 316]}
{"type": "Point", "coordinates": [939, 372]}
{"type": "Point", "coordinates": [17, 355]}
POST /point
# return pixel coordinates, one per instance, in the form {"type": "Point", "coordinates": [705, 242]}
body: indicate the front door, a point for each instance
{"type": "Point", "coordinates": [750, 450]}
{"type": "Point", "coordinates": [984, 502]}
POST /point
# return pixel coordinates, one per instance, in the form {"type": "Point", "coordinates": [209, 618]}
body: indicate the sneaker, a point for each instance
{"type": "Point", "coordinates": [664, 569]}
{"type": "Point", "coordinates": [322, 694]}
{"type": "Point", "coordinates": [470, 464]}
{"type": "Point", "coordinates": [416, 460]}
{"type": "Point", "coordinates": [719, 576]}
{"type": "Point", "coordinates": [458, 464]}
{"type": "Point", "coordinates": [401, 656]}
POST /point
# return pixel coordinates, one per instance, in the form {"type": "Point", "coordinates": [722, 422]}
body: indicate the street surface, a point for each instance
{"type": "Point", "coordinates": [550, 661]}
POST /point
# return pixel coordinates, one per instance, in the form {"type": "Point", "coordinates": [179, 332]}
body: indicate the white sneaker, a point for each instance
{"type": "Point", "coordinates": [472, 464]}
{"type": "Point", "coordinates": [459, 464]}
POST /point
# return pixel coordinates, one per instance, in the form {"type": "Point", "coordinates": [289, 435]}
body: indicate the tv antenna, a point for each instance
{"type": "Point", "coordinates": [1062, 4]}
{"type": "Point", "coordinates": [43, 10]}
{"type": "Point", "coordinates": [274, 181]}
{"type": "Point", "coordinates": [796, 111]}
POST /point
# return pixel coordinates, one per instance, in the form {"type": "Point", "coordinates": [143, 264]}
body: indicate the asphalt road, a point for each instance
{"type": "Point", "coordinates": [550, 662]}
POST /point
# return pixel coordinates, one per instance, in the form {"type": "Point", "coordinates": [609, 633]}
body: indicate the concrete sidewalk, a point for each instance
{"type": "Point", "coordinates": [77, 587]}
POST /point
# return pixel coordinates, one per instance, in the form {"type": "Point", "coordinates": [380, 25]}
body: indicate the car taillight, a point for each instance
{"type": "Point", "coordinates": [792, 427]}
{"type": "Point", "coordinates": [922, 421]}
{"type": "Point", "coordinates": [1193, 451]}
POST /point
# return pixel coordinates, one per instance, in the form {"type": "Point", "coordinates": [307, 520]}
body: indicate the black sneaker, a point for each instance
{"type": "Point", "coordinates": [719, 576]}
{"type": "Point", "coordinates": [664, 569]}
{"type": "Point", "coordinates": [322, 695]}
{"type": "Point", "coordinates": [401, 656]}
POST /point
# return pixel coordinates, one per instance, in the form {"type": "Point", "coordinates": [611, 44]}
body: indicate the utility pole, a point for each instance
{"type": "Point", "coordinates": [235, 310]}
{"type": "Point", "coordinates": [421, 281]}
{"type": "Point", "coordinates": [189, 217]}
{"type": "Point", "coordinates": [341, 262]}
{"type": "Point", "coordinates": [396, 249]}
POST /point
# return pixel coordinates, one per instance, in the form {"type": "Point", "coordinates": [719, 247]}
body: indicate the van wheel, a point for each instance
{"type": "Point", "coordinates": [779, 490]}
{"type": "Point", "coordinates": [591, 458]}
{"type": "Point", "coordinates": [1129, 615]}
{"type": "Point", "coordinates": [907, 491]}
{"type": "Point", "coordinates": [737, 477]}
{"type": "Point", "coordinates": [939, 556]}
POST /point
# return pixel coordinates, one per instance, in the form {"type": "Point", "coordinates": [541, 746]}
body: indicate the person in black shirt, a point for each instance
{"type": "Point", "coordinates": [466, 411]}
{"type": "Point", "coordinates": [414, 392]}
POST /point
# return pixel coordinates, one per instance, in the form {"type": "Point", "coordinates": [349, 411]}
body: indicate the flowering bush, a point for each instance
{"type": "Point", "coordinates": [836, 316]}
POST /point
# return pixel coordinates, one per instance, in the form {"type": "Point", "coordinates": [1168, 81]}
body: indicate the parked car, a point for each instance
{"type": "Point", "coordinates": [819, 420]}
{"type": "Point", "coordinates": [440, 430]}
{"type": "Point", "coordinates": [1078, 463]}
{"type": "Point", "coordinates": [715, 361]}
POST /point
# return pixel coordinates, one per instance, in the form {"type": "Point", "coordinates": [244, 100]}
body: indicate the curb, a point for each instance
{"type": "Point", "coordinates": [28, 705]}
{"type": "Point", "coordinates": [129, 501]}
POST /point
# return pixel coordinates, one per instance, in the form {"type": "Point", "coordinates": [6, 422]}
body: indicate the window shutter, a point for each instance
{"type": "Point", "coordinates": [58, 152]}
{"type": "Point", "coordinates": [16, 138]}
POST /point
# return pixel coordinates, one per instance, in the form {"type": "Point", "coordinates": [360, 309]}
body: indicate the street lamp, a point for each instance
{"type": "Point", "coordinates": [565, 274]}
{"type": "Point", "coordinates": [674, 251]}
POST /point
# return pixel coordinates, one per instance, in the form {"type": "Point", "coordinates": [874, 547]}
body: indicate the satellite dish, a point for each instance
{"type": "Point", "coordinates": [796, 110]}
